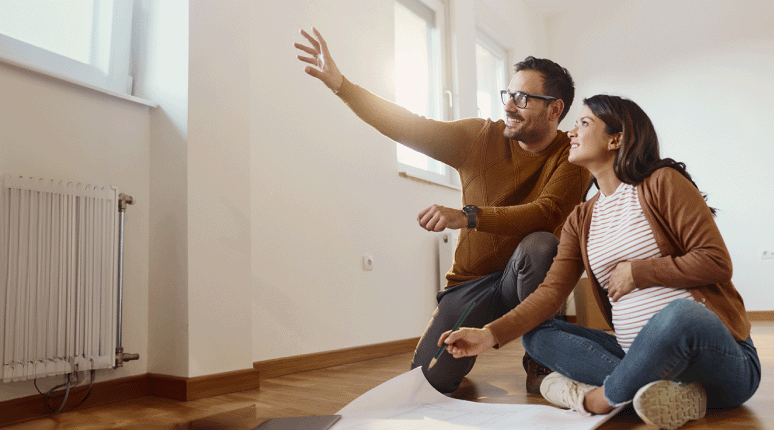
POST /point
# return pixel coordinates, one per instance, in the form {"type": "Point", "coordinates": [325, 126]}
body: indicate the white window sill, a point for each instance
{"type": "Point", "coordinates": [426, 177]}
{"type": "Point", "coordinates": [76, 82]}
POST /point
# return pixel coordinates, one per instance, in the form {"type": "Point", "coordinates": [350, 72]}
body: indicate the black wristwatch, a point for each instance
{"type": "Point", "coordinates": [472, 213]}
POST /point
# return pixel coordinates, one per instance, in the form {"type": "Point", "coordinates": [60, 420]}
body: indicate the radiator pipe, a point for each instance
{"type": "Point", "coordinates": [123, 201]}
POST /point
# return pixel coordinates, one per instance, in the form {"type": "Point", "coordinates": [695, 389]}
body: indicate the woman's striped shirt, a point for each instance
{"type": "Point", "coordinates": [620, 232]}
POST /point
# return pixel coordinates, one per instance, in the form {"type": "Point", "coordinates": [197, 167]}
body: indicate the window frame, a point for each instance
{"type": "Point", "coordinates": [441, 70]}
{"type": "Point", "coordinates": [117, 81]}
{"type": "Point", "coordinates": [498, 51]}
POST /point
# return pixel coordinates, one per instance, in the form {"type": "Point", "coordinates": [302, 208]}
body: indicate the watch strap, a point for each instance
{"type": "Point", "coordinates": [472, 214]}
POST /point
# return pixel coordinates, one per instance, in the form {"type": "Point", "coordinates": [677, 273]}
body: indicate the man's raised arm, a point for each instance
{"type": "Point", "coordinates": [445, 141]}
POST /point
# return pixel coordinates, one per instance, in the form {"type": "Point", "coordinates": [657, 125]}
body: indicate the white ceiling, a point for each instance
{"type": "Point", "coordinates": [546, 8]}
{"type": "Point", "coordinates": [551, 7]}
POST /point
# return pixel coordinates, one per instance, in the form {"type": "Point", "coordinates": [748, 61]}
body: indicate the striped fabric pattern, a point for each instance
{"type": "Point", "coordinates": [620, 232]}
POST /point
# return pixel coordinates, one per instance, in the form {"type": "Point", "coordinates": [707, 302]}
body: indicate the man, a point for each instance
{"type": "Point", "coordinates": [517, 190]}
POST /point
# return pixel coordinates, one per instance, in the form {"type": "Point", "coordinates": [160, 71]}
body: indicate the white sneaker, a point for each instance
{"type": "Point", "coordinates": [564, 392]}
{"type": "Point", "coordinates": [669, 404]}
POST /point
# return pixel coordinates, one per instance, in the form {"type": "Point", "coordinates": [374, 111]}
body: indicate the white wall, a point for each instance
{"type": "Point", "coordinates": [219, 292]}
{"type": "Point", "coordinates": [518, 28]}
{"type": "Point", "coordinates": [193, 60]}
{"type": "Point", "coordinates": [325, 185]}
{"type": "Point", "coordinates": [161, 74]}
{"type": "Point", "coordinates": [326, 191]}
{"type": "Point", "coordinates": [702, 71]}
{"type": "Point", "coordinates": [56, 130]}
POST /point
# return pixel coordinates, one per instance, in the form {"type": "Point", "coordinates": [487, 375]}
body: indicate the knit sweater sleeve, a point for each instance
{"type": "Point", "coordinates": [685, 224]}
{"type": "Point", "coordinates": [559, 283]}
{"type": "Point", "coordinates": [557, 197]}
{"type": "Point", "coordinates": [446, 141]}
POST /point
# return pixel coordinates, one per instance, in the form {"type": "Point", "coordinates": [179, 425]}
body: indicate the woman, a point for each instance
{"type": "Point", "coordinates": [661, 273]}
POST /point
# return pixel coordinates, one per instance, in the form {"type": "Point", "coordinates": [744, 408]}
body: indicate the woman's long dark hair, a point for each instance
{"type": "Point", "coordinates": [638, 156]}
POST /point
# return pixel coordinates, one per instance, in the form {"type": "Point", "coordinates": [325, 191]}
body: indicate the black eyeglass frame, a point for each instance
{"type": "Point", "coordinates": [513, 97]}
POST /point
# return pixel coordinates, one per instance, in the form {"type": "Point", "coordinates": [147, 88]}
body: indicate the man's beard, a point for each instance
{"type": "Point", "coordinates": [527, 134]}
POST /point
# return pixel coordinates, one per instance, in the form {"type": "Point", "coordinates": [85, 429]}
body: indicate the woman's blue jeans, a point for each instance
{"type": "Point", "coordinates": [684, 342]}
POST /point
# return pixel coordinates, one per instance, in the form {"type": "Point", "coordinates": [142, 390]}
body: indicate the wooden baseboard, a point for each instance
{"type": "Point", "coordinates": [760, 315]}
{"type": "Point", "coordinates": [116, 390]}
{"type": "Point", "coordinates": [320, 360]}
{"type": "Point", "coordinates": [32, 407]}
{"type": "Point", "coordinates": [186, 389]}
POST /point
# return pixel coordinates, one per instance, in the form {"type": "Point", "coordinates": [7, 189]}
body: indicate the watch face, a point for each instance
{"type": "Point", "coordinates": [470, 209]}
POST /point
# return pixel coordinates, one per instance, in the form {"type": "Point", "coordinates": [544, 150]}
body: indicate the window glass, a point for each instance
{"type": "Point", "coordinates": [81, 41]}
{"type": "Point", "coordinates": [62, 27]}
{"type": "Point", "coordinates": [417, 77]}
{"type": "Point", "coordinates": [490, 77]}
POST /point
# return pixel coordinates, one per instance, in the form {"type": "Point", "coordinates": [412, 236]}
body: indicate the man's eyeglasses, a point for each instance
{"type": "Point", "coordinates": [520, 99]}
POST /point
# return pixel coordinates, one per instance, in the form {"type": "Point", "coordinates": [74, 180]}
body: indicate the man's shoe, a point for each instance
{"type": "Point", "coordinates": [535, 373]}
{"type": "Point", "coordinates": [669, 404]}
{"type": "Point", "coordinates": [564, 392]}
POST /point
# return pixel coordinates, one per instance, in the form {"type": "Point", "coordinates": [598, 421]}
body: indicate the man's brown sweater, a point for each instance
{"type": "Point", "coordinates": [517, 192]}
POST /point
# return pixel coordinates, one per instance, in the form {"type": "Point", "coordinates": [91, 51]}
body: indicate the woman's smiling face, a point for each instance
{"type": "Point", "coordinates": [590, 144]}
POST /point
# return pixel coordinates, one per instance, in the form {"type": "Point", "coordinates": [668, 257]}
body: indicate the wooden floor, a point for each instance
{"type": "Point", "coordinates": [497, 378]}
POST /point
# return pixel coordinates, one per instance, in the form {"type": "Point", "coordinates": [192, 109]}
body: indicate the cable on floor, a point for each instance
{"type": "Point", "coordinates": [68, 385]}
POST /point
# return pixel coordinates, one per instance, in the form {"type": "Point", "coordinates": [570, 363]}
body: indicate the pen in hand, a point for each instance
{"type": "Point", "coordinates": [456, 326]}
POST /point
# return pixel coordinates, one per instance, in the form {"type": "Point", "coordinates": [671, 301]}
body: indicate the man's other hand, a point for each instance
{"type": "Point", "coordinates": [438, 218]}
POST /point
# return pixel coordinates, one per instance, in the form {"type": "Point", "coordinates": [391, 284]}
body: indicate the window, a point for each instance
{"type": "Point", "coordinates": [82, 41]}
{"type": "Point", "coordinates": [490, 77]}
{"type": "Point", "coordinates": [419, 79]}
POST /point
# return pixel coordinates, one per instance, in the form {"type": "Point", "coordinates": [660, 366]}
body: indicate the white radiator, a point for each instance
{"type": "Point", "coordinates": [447, 241]}
{"type": "Point", "coordinates": [58, 277]}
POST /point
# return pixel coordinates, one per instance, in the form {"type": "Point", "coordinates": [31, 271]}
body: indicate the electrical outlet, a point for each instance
{"type": "Point", "coordinates": [767, 255]}
{"type": "Point", "coordinates": [368, 262]}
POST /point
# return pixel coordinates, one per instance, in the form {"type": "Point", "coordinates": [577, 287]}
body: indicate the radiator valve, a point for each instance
{"type": "Point", "coordinates": [122, 356]}
{"type": "Point", "coordinates": [123, 201]}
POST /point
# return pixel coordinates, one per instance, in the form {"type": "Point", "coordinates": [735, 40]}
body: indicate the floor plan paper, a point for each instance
{"type": "Point", "coordinates": [409, 402]}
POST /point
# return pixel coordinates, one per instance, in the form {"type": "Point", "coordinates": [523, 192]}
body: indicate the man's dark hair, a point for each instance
{"type": "Point", "coordinates": [557, 80]}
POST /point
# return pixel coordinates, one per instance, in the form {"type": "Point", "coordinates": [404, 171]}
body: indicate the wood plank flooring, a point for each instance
{"type": "Point", "coordinates": [497, 378]}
